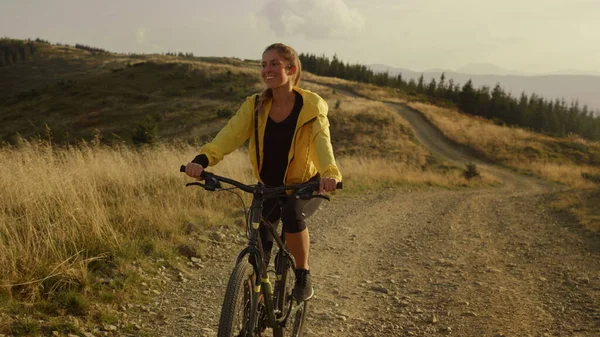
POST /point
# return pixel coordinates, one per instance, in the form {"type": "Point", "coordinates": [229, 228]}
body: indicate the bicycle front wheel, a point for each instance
{"type": "Point", "coordinates": [235, 312]}
{"type": "Point", "coordinates": [287, 305]}
{"type": "Point", "coordinates": [298, 319]}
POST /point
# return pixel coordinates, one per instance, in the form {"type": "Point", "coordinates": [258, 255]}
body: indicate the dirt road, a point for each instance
{"type": "Point", "coordinates": [427, 262]}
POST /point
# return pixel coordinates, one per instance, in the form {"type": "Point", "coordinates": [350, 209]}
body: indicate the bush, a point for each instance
{"type": "Point", "coordinates": [472, 171]}
{"type": "Point", "coordinates": [146, 132]}
{"type": "Point", "coordinates": [73, 303]}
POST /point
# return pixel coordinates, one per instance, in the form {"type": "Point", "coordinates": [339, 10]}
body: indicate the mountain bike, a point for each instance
{"type": "Point", "coordinates": [252, 303]}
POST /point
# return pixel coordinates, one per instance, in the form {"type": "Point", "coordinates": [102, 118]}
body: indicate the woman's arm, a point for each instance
{"type": "Point", "coordinates": [232, 136]}
{"type": "Point", "coordinates": [322, 151]}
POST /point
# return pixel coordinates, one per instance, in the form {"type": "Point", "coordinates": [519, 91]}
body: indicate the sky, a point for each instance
{"type": "Point", "coordinates": [528, 36]}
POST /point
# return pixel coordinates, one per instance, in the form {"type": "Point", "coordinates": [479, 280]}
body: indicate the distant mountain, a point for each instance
{"type": "Point", "coordinates": [582, 87]}
{"type": "Point", "coordinates": [575, 72]}
{"type": "Point", "coordinates": [486, 69]}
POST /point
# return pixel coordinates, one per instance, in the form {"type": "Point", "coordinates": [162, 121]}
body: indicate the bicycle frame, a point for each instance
{"type": "Point", "coordinates": [262, 283]}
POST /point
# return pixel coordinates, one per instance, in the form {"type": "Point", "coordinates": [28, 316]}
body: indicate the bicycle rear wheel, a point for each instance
{"type": "Point", "coordinates": [235, 312]}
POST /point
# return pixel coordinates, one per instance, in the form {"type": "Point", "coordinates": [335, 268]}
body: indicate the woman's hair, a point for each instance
{"type": "Point", "coordinates": [290, 55]}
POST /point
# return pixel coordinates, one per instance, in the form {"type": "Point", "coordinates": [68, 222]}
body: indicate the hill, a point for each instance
{"type": "Point", "coordinates": [78, 94]}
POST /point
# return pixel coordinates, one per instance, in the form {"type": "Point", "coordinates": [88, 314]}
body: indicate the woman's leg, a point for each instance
{"type": "Point", "coordinates": [293, 214]}
{"type": "Point", "coordinates": [299, 245]}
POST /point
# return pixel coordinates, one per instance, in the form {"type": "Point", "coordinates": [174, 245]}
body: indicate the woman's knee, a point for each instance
{"type": "Point", "coordinates": [292, 219]}
{"type": "Point", "coordinates": [295, 212]}
{"type": "Point", "coordinates": [294, 226]}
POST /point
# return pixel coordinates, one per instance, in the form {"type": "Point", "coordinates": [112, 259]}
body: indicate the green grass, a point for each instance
{"type": "Point", "coordinates": [25, 326]}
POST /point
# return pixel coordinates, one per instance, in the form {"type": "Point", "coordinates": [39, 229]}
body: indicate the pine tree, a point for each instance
{"type": "Point", "coordinates": [442, 86]}
{"type": "Point", "coordinates": [483, 106]}
{"type": "Point", "coordinates": [467, 99]}
{"type": "Point", "coordinates": [399, 83]}
{"type": "Point", "coordinates": [522, 110]}
{"type": "Point", "coordinates": [432, 88]}
{"type": "Point", "coordinates": [421, 84]}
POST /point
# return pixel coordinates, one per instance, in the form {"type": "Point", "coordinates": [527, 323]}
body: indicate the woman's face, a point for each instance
{"type": "Point", "coordinates": [275, 70]}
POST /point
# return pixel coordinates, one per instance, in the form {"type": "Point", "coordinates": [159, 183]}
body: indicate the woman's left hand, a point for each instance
{"type": "Point", "coordinates": [327, 185]}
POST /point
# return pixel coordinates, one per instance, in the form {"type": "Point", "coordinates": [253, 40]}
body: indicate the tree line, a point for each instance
{"type": "Point", "coordinates": [554, 117]}
{"type": "Point", "coordinates": [90, 48]}
{"type": "Point", "coordinates": [180, 54]}
{"type": "Point", "coordinates": [12, 51]}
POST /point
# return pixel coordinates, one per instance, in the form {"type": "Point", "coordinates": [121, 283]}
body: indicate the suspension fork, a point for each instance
{"type": "Point", "coordinates": [255, 250]}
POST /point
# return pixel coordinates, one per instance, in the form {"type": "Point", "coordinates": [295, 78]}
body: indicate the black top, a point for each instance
{"type": "Point", "coordinates": [276, 147]}
{"type": "Point", "coordinates": [277, 142]}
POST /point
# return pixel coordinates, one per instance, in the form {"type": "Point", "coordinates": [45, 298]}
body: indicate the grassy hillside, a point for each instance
{"type": "Point", "coordinates": [113, 96]}
{"type": "Point", "coordinates": [78, 222]}
{"type": "Point", "coordinates": [573, 161]}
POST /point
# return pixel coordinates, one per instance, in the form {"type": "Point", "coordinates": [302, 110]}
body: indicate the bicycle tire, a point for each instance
{"type": "Point", "coordinates": [299, 320]}
{"type": "Point", "coordinates": [238, 297]}
{"type": "Point", "coordinates": [295, 323]}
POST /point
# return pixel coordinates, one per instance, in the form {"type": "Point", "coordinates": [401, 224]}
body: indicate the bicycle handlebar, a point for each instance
{"type": "Point", "coordinates": [251, 189]}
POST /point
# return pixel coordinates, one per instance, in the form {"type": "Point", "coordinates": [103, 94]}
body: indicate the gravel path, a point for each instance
{"type": "Point", "coordinates": [425, 262]}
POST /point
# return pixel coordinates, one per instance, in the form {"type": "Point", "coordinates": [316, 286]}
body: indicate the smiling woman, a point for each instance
{"type": "Point", "coordinates": [289, 144]}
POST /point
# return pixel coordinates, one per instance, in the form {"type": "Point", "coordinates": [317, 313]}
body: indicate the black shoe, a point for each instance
{"type": "Point", "coordinates": [303, 289]}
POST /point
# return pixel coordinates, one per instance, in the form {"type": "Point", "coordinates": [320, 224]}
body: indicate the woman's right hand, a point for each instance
{"type": "Point", "coordinates": [194, 170]}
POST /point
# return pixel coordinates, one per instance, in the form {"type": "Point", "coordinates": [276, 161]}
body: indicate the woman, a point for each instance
{"type": "Point", "coordinates": [294, 147]}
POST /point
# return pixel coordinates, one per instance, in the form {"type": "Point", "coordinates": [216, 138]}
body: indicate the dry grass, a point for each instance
{"type": "Point", "coordinates": [63, 207]}
{"type": "Point", "coordinates": [369, 91]}
{"type": "Point", "coordinates": [560, 160]}
{"type": "Point", "coordinates": [584, 205]}
{"type": "Point", "coordinates": [373, 129]}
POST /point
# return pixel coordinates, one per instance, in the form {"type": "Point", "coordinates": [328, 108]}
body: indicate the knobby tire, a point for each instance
{"type": "Point", "coordinates": [238, 297]}
{"type": "Point", "coordinates": [295, 322]}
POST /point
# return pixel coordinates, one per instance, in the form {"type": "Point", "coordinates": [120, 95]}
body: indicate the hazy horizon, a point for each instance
{"type": "Point", "coordinates": [537, 37]}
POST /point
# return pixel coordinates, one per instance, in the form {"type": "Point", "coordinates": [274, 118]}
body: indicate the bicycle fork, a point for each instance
{"type": "Point", "coordinates": [262, 284]}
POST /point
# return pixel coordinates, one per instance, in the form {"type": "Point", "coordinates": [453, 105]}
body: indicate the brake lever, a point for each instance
{"type": "Point", "coordinates": [195, 183]}
{"type": "Point", "coordinates": [211, 184]}
{"type": "Point", "coordinates": [307, 197]}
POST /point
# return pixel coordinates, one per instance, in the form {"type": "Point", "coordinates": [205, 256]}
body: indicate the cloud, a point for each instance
{"type": "Point", "coordinates": [320, 19]}
{"type": "Point", "coordinates": [140, 35]}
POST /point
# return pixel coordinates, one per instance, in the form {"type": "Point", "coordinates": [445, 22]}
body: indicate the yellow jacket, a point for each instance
{"type": "Point", "coordinates": [311, 149]}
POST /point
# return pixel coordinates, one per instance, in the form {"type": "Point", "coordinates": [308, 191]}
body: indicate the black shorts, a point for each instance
{"type": "Point", "coordinates": [291, 211]}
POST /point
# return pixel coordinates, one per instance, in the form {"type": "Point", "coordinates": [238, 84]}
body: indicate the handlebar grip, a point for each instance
{"type": "Point", "coordinates": [203, 174]}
